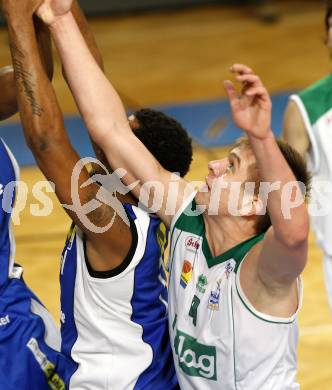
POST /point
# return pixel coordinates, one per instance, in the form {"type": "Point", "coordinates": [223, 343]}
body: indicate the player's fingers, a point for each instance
{"type": "Point", "coordinates": [249, 79]}
{"type": "Point", "coordinates": [231, 92]}
{"type": "Point", "coordinates": [241, 69]}
{"type": "Point", "coordinates": [261, 91]}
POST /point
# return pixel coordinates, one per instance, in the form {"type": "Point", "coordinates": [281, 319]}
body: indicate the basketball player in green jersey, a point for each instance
{"type": "Point", "coordinates": [308, 128]}
{"type": "Point", "coordinates": [234, 289]}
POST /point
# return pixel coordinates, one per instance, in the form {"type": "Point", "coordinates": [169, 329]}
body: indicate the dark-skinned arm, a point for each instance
{"type": "Point", "coordinates": [46, 136]}
{"type": "Point", "coordinates": [8, 100]}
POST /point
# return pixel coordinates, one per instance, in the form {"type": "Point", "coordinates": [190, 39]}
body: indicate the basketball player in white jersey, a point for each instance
{"type": "Point", "coordinates": [308, 128]}
{"type": "Point", "coordinates": [234, 289]}
{"type": "Point", "coordinates": [113, 283]}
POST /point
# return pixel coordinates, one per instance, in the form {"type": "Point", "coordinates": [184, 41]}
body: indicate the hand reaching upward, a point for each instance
{"type": "Point", "coordinates": [50, 10]}
{"type": "Point", "coordinates": [251, 110]}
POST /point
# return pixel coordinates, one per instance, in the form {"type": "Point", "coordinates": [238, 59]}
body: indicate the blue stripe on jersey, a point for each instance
{"type": "Point", "coordinates": [149, 304]}
{"type": "Point", "coordinates": [7, 175]}
{"type": "Point", "coordinates": [21, 368]}
{"type": "Point", "coordinates": [67, 281]}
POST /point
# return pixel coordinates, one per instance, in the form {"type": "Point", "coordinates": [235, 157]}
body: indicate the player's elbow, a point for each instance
{"type": "Point", "coordinates": [37, 143]}
{"type": "Point", "coordinates": [295, 237]}
{"type": "Point", "coordinates": [41, 139]}
{"type": "Point", "coordinates": [101, 131]}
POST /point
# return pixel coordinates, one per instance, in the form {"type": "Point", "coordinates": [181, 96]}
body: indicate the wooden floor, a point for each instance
{"type": "Point", "coordinates": [184, 56]}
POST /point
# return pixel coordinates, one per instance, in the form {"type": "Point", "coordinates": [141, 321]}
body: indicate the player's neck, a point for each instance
{"type": "Point", "coordinates": [224, 233]}
{"type": "Point", "coordinates": [128, 198]}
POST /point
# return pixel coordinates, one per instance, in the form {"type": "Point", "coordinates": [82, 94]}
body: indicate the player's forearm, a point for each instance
{"type": "Point", "coordinates": [274, 168]}
{"type": "Point", "coordinates": [45, 46]}
{"type": "Point", "coordinates": [87, 34]}
{"type": "Point", "coordinates": [37, 104]}
{"type": "Point", "coordinates": [8, 99]}
{"type": "Point", "coordinates": [98, 102]}
{"type": "Point", "coordinates": [90, 41]}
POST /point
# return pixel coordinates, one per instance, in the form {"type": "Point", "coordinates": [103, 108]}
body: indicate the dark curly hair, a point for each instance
{"type": "Point", "coordinates": [165, 138]}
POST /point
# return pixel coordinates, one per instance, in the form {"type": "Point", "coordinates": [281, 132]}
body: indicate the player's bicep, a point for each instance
{"type": "Point", "coordinates": [280, 263]}
{"type": "Point", "coordinates": [294, 130]}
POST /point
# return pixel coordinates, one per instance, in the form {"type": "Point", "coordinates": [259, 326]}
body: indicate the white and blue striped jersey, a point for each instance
{"type": "Point", "coordinates": [115, 328]}
{"type": "Point", "coordinates": [9, 174]}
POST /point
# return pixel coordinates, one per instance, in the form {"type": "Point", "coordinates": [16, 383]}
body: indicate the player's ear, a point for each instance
{"type": "Point", "coordinates": [258, 206]}
{"type": "Point", "coordinates": [251, 205]}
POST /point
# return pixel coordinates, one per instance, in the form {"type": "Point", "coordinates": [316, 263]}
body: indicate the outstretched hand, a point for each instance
{"type": "Point", "coordinates": [51, 10]}
{"type": "Point", "coordinates": [251, 109]}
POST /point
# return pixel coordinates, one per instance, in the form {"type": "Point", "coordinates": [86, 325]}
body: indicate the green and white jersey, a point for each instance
{"type": "Point", "coordinates": [315, 106]}
{"type": "Point", "coordinates": [219, 340]}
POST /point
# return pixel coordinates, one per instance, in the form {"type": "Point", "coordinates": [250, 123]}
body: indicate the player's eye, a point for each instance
{"type": "Point", "coordinates": [230, 167]}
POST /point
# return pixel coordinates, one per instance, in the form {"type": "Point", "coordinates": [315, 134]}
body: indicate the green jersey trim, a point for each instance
{"type": "Point", "coordinates": [266, 317]}
{"type": "Point", "coordinates": [191, 223]}
{"type": "Point", "coordinates": [317, 98]}
{"type": "Point", "coordinates": [190, 220]}
{"type": "Point", "coordinates": [237, 253]}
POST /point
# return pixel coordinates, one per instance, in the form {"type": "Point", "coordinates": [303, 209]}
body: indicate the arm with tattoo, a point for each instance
{"type": "Point", "coordinates": [45, 134]}
{"type": "Point", "coordinates": [8, 100]}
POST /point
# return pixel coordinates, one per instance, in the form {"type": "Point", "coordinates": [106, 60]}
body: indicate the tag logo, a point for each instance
{"type": "Point", "coordinates": [186, 274]}
{"type": "Point", "coordinates": [195, 359]}
{"type": "Point", "coordinates": [192, 244]}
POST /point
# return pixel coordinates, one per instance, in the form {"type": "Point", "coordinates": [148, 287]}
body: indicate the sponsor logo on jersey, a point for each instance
{"type": "Point", "coordinates": [187, 273]}
{"type": "Point", "coordinates": [192, 243]}
{"type": "Point", "coordinates": [53, 379]}
{"type": "Point", "coordinates": [201, 284]}
{"type": "Point", "coordinates": [4, 320]}
{"type": "Point", "coordinates": [229, 269]}
{"type": "Point", "coordinates": [195, 359]}
{"type": "Point", "coordinates": [193, 312]}
{"type": "Point", "coordinates": [214, 298]}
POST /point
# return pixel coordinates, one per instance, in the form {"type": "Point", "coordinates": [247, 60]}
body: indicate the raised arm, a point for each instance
{"type": "Point", "coordinates": [294, 131]}
{"type": "Point", "coordinates": [48, 140]}
{"type": "Point", "coordinates": [94, 50]}
{"type": "Point", "coordinates": [8, 100]}
{"type": "Point", "coordinates": [284, 249]}
{"type": "Point", "coordinates": [100, 105]}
